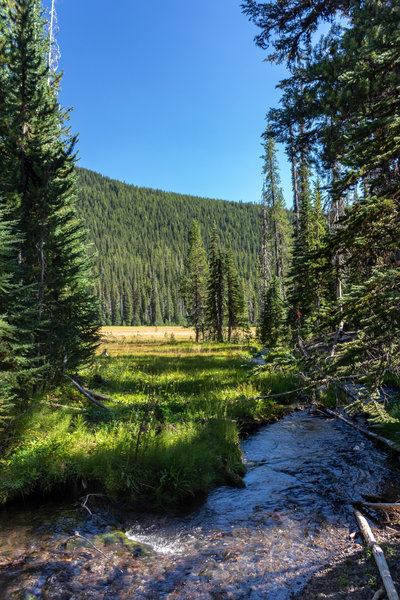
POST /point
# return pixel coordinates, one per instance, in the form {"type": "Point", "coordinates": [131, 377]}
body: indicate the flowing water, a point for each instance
{"type": "Point", "coordinates": [262, 541]}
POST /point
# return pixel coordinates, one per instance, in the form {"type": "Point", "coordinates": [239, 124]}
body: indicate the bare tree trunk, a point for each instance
{"type": "Point", "coordinates": [338, 207]}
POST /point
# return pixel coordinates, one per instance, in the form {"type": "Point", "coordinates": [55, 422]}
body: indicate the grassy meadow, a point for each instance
{"type": "Point", "coordinates": [177, 411]}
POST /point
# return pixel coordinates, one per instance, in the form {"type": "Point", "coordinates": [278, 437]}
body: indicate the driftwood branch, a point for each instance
{"type": "Point", "coordinates": [347, 392]}
{"type": "Point", "coordinates": [86, 498]}
{"type": "Point", "coordinates": [87, 395]}
{"type": "Point", "coordinates": [378, 555]}
{"type": "Point", "coordinates": [272, 395]}
{"type": "Point", "coordinates": [370, 434]}
{"type": "Point", "coordinates": [82, 537]}
{"type": "Point", "coordinates": [98, 396]}
{"type": "Point", "coordinates": [378, 594]}
{"type": "Point", "coordinates": [78, 408]}
{"type": "Point", "coordinates": [382, 505]}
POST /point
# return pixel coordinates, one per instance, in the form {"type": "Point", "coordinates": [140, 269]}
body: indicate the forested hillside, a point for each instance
{"type": "Point", "coordinates": [141, 238]}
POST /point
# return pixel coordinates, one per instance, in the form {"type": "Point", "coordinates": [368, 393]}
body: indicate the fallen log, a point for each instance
{"type": "Point", "coordinates": [378, 594]}
{"type": "Point", "coordinates": [271, 395]}
{"type": "Point", "coordinates": [65, 406]}
{"type": "Point", "coordinates": [87, 395]}
{"type": "Point", "coordinates": [367, 432]}
{"type": "Point", "coordinates": [378, 555]}
{"type": "Point", "coordinates": [98, 396]}
{"type": "Point", "coordinates": [347, 392]}
{"type": "Point", "coordinates": [382, 505]}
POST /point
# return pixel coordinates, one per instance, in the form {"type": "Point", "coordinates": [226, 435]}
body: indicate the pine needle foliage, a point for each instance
{"type": "Point", "coordinates": [17, 371]}
{"type": "Point", "coordinates": [37, 160]}
{"type": "Point", "coordinates": [235, 304]}
{"type": "Point", "coordinates": [276, 213]}
{"type": "Point", "coordinates": [194, 281]}
{"type": "Point", "coordinates": [216, 298]}
{"type": "Point", "coordinates": [271, 325]}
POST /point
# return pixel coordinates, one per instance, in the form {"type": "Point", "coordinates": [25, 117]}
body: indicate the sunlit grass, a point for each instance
{"type": "Point", "coordinates": [173, 433]}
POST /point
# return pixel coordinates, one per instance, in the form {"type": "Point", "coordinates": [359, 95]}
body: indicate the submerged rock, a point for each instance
{"type": "Point", "coordinates": [118, 538]}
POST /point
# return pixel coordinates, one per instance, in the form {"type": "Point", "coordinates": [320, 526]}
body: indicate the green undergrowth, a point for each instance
{"type": "Point", "coordinates": [383, 417]}
{"type": "Point", "coordinates": [173, 433]}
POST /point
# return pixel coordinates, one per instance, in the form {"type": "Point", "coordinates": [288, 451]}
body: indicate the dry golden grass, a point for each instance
{"type": "Point", "coordinates": [155, 340]}
{"type": "Point", "coordinates": [149, 333]}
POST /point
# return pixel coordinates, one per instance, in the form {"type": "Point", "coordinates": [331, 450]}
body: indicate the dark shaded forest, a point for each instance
{"type": "Point", "coordinates": [141, 239]}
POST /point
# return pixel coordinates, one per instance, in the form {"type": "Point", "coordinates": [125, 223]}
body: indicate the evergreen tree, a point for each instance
{"type": "Point", "coordinates": [319, 284]}
{"type": "Point", "coordinates": [275, 207]}
{"type": "Point", "coordinates": [194, 284]}
{"type": "Point", "coordinates": [17, 371]}
{"type": "Point", "coordinates": [215, 305]}
{"type": "Point", "coordinates": [271, 322]}
{"type": "Point", "coordinates": [265, 255]}
{"type": "Point", "coordinates": [37, 164]}
{"type": "Point", "coordinates": [235, 304]}
{"type": "Point", "coordinates": [350, 102]}
{"type": "Point", "coordinates": [127, 306]}
{"type": "Point", "coordinates": [302, 293]}
{"type": "Point", "coordinates": [288, 26]}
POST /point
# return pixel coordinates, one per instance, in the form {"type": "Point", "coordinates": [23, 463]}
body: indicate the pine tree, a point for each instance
{"type": "Point", "coordinates": [319, 284]}
{"type": "Point", "coordinates": [235, 304]}
{"type": "Point", "coordinates": [127, 306]}
{"type": "Point", "coordinates": [275, 207]}
{"type": "Point", "coordinates": [351, 106]}
{"type": "Point", "coordinates": [271, 323]}
{"type": "Point", "coordinates": [288, 26]}
{"type": "Point", "coordinates": [215, 304]}
{"type": "Point", "coordinates": [194, 283]}
{"type": "Point", "coordinates": [37, 162]}
{"type": "Point", "coordinates": [16, 369]}
{"type": "Point", "coordinates": [302, 293]}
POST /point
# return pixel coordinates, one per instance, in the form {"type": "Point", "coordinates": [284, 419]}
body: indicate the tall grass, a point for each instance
{"type": "Point", "coordinates": [173, 433]}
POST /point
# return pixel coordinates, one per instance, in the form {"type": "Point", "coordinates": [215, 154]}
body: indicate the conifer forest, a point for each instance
{"type": "Point", "coordinates": [200, 398]}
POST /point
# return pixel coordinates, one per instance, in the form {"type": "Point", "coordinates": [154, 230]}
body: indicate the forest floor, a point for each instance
{"type": "Point", "coordinates": [352, 573]}
{"type": "Point", "coordinates": [172, 432]}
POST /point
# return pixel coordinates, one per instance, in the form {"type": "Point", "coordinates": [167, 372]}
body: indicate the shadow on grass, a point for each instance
{"type": "Point", "coordinates": [168, 466]}
{"type": "Point", "coordinates": [185, 375]}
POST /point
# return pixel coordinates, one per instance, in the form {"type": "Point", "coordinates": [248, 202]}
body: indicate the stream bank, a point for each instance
{"type": "Point", "coordinates": [266, 540]}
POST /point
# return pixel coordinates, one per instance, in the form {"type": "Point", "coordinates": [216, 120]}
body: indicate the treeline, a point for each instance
{"type": "Point", "coordinates": [339, 119]}
{"type": "Point", "coordinates": [141, 241]}
{"type": "Point", "coordinates": [213, 297]}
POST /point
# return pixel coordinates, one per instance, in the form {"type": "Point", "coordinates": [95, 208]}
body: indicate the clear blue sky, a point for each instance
{"type": "Point", "coordinates": [170, 95]}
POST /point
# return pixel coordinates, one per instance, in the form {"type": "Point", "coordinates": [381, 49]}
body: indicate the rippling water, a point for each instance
{"type": "Point", "coordinates": [262, 541]}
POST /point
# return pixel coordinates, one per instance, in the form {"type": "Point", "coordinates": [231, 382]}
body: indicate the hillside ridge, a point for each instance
{"type": "Point", "coordinates": [141, 237]}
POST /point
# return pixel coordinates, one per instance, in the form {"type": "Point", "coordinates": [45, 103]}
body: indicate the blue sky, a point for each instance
{"type": "Point", "coordinates": [170, 95]}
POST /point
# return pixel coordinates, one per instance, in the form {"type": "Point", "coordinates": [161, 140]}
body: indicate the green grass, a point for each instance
{"type": "Point", "coordinates": [173, 434]}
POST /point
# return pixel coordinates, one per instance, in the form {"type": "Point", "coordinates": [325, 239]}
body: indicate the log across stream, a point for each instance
{"type": "Point", "coordinates": [262, 541]}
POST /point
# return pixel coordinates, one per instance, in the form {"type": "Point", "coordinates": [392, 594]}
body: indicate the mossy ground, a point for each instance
{"type": "Point", "coordinates": [173, 434]}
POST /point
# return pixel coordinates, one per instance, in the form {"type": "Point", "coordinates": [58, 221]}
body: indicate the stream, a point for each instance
{"type": "Point", "coordinates": [262, 541]}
